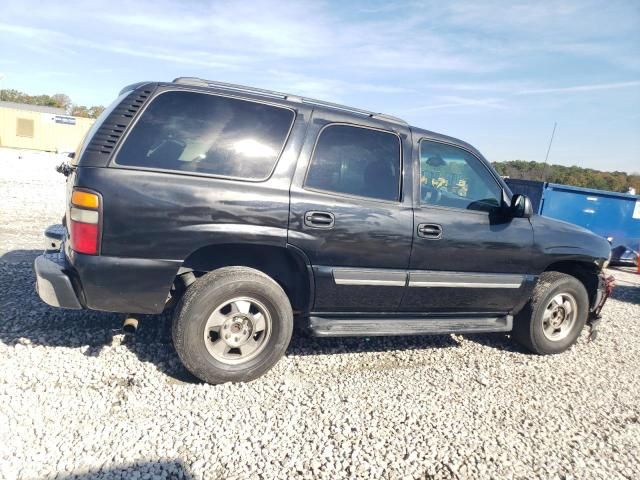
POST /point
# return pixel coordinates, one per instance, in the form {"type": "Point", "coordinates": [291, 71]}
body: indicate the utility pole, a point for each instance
{"type": "Point", "coordinates": [546, 159]}
{"type": "Point", "coordinates": [1, 78]}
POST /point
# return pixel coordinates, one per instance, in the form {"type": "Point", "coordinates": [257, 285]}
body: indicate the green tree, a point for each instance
{"type": "Point", "coordinates": [59, 100]}
{"type": "Point", "coordinates": [62, 101]}
{"type": "Point", "coordinates": [80, 111]}
{"type": "Point", "coordinates": [573, 175]}
{"type": "Point", "coordinates": [95, 111]}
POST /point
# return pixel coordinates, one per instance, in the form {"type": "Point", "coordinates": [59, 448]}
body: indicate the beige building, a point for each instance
{"type": "Point", "coordinates": [40, 128]}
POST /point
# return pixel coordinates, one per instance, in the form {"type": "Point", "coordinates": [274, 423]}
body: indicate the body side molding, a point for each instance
{"type": "Point", "coordinates": [464, 280]}
{"type": "Point", "coordinates": [425, 278]}
{"type": "Point", "coordinates": [370, 276]}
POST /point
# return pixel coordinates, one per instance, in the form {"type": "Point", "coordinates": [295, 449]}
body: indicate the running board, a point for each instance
{"type": "Point", "coordinates": [372, 327]}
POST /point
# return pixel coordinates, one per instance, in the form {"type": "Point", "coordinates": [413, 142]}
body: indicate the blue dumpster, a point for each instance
{"type": "Point", "coordinates": [612, 215]}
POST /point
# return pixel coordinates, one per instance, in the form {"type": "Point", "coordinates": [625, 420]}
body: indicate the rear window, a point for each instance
{"type": "Point", "coordinates": [209, 134]}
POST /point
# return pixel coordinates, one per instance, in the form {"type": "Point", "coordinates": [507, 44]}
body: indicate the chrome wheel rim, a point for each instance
{"type": "Point", "coordinates": [559, 317]}
{"type": "Point", "coordinates": [237, 330]}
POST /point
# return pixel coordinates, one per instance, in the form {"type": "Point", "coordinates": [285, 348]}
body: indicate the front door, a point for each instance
{"type": "Point", "coordinates": [351, 212]}
{"type": "Point", "coordinates": [467, 255]}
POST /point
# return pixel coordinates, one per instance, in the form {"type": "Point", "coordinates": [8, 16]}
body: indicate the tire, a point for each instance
{"type": "Point", "coordinates": [219, 338]}
{"type": "Point", "coordinates": [545, 325]}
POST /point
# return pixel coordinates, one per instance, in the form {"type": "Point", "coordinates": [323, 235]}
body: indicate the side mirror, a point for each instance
{"type": "Point", "coordinates": [521, 206]}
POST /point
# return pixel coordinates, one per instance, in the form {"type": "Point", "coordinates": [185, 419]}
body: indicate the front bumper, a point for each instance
{"type": "Point", "coordinates": [52, 282]}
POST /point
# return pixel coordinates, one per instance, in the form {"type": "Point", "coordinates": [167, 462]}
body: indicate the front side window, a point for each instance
{"type": "Point", "coordinates": [453, 177]}
{"type": "Point", "coordinates": [201, 133]}
{"type": "Point", "coordinates": [356, 161]}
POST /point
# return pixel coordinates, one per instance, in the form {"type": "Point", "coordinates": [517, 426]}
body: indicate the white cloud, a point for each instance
{"type": "Point", "coordinates": [512, 63]}
{"type": "Point", "coordinates": [453, 102]}
{"type": "Point", "coordinates": [448, 102]}
{"type": "Point", "coordinates": [580, 88]}
{"type": "Point", "coordinates": [166, 24]}
{"type": "Point", "coordinates": [252, 35]}
{"type": "Point", "coordinates": [44, 39]}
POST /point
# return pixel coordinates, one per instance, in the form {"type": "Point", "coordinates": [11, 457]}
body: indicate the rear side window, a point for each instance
{"type": "Point", "coordinates": [356, 161]}
{"type": "Point", "coordinates": [201, 133]}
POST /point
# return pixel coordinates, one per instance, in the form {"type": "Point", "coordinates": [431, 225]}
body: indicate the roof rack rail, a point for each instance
{"type": "Point", "coordinates": [199, 82]}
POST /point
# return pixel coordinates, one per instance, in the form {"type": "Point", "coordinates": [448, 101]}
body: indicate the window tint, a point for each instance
{"type": "Point", "coordinates": [356, 161]}
{"type": "Point", "coordinates": [202, 133]}
{"type": "Point", "coordinates": [452, 177]}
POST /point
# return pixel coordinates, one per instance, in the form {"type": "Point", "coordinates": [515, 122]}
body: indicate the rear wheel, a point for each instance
{"type": "Point", "coordinates": [554, 317]}
{"type": "Point", "coordinates": [232, 325]}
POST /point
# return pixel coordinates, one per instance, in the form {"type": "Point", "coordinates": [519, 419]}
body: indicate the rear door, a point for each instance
{"type": "Point", "coordinates": [467, 256]}
{"type": "Point", "coordinates": [351, 212]}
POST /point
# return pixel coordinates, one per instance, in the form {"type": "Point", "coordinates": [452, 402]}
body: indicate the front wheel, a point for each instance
{"type": "Point", "coordinates": [232, 325]}
{"type": "Point", "coordinates": [554, 317]}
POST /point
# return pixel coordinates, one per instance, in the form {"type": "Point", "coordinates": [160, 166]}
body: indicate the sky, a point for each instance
{"type": "Point", "coordinates": [495, 74]}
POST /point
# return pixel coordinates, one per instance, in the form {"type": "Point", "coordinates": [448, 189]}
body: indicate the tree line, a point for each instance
{"type": "Point", "coordinates": [59, 100]}
{"type": "Point", "coordinates": [574, 175]}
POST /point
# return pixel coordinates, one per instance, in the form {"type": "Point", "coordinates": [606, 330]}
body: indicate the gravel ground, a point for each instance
{"type": "Point", "coordinates": [78, 400]}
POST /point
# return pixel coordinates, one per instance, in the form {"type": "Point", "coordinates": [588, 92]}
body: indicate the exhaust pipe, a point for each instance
{"type": "Point", "coordinates": [130, 325]}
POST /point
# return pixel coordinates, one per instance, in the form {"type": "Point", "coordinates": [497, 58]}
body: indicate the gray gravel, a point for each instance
{"type": "Point", "coordinates": [78, 400]}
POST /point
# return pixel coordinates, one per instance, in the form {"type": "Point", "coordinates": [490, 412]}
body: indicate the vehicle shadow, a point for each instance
{"type": "Point", "coordinates": [498, 341]}
{"type": "Point", "coordinates": [627, 293]}
{"type": "Point", "coordinates": [159, 469]}
{"type": "Point", "coordinates": [26, 319]}
{"type": "Point", "coordinates": [20, 256]}
{"type": "Point", "coordinates": [303, 343]}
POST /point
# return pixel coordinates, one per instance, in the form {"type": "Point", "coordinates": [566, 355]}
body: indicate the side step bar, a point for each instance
{"type": "Point", "coordinates": [370, 327]}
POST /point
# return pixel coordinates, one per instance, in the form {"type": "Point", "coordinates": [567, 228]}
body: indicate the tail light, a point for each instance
{"type": "Point", "coordinates": [84, 219]}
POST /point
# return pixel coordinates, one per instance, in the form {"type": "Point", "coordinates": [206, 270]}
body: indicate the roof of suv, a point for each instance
{"type": "Point", "coordinates": [213, 84]}
{"type": "Point", "coordinates": [198, 82]}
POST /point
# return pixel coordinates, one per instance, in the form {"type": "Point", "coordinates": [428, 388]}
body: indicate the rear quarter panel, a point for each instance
{"type": "Point", "coordinates": [163, 215]}
{"type": "Point", "coordinates": [153, 220]}
{"type": "Point", "coordinates": [166, 216]}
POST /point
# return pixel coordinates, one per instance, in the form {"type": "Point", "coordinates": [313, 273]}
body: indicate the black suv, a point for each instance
{"type": "Point", "coordinates": [247, 208]}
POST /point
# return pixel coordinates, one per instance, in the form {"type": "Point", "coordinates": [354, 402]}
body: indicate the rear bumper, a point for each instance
{"type": "Point", "coordinates": [112, 284]}
{"type": "Point", "coordinates": [67, 279]}
{"type": "Point", "coordinates": [127, 285]}
{"type": "Point", "coordinates": [53, 284]}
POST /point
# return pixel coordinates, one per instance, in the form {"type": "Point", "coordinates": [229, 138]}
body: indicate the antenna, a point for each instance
{"type": "Point", "coordinates": [546, 159]}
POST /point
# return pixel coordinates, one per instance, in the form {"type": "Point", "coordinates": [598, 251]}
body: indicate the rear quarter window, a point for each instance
{"type": "Point", "coordinates": [207, 134]}
{"type": "Point", "coordinates": [96, 126]}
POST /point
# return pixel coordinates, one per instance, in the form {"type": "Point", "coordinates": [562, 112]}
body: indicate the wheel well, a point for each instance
{"type": "Point", "coordinates": [585, 272]}
{"type": "Point", "coordinates": [285, 266]}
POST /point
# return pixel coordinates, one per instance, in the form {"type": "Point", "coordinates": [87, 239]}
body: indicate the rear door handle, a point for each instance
{"type": "Point", "coordinates": [432, 231]}
{"type": "Point", "coordinates": [315, 219]}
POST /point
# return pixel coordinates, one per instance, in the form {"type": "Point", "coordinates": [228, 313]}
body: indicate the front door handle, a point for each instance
{"type": "Point", "coordinates": [432, 231]}
{"type": "Point", "coordinates": [315, 219]}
